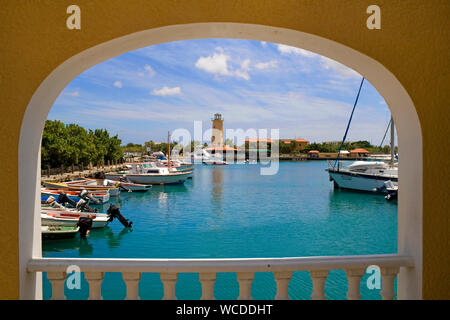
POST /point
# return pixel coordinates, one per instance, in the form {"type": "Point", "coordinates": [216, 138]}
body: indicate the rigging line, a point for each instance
{"type": "Point", "coordinates": [349, 121]}
{"type": "Point", "coordinates": [387, 129]}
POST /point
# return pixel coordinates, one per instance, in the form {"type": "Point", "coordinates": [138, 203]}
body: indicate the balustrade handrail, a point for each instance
{"type": "Point", "coordinates": [220, 265]}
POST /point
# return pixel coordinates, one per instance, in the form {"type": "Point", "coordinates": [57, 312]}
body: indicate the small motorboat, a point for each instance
{"type": "Point", "coordinates": [146, 173]}
{"type": "Point", "coordinates": [217, 162]}
{"type": "Point", "coordinates": [390, 189]}
{"type": "Point", "coordinates": [58, 232]}
{"type": "Point", "coordinates": [103, 197]}
{"type": "Point", "coordinates": [79, 185]}
{"type": "Point", "coordinates": [124, 183]}
{"type": "Point", "coordinates": [70, 218]}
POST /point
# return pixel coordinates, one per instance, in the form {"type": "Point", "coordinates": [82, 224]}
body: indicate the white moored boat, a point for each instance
{"type": "Point", "coordinates": [364, 175]}
{"type": "Point", "coordinates": [122, 182]}
{"type": "Point", "coordinates": [58, 232]}
{"type": "Point", "coordinates": [70, 218]}
{"type": "Point", "coordinates": [157, 176]}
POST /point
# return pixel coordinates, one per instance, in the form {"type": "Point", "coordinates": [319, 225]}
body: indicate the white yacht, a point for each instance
{"type": "Point", "coordinates": [145, 173]}
{"type": "Point", "coordinates": [364, 175]}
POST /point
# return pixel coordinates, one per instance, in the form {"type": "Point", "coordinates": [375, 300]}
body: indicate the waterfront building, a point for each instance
{"type": "Point", "coordinates": [359, 153]}
{"type": "Point", "coordinates": [313, 154]}
{"type": "Point", "coordinates": [217, 141]}
{"type": "Point", "coordinates": [301, 143]}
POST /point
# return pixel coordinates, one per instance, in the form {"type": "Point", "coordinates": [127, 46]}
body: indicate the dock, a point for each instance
{"type": "Point", "coordinates": [73, 172]}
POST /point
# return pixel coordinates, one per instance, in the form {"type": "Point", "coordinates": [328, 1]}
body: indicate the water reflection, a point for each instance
{"type": "Point", "coordinates": [217, 189]}
{"type": "Point", "coordinates": [86, 249]}
{"type": "Point", "coordinates": [113, 240]}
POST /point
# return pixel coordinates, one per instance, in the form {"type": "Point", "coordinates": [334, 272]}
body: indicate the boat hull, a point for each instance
{"type": "Point", "coordinates": [102, 197]}
{"type": "Point", "coordinates": [58, 232]}
{"type": "Point", "coordinates": [358, 181]}
{"type": "Point", "coordinates": [161, 179]}
{"type": "Point", "coordinates": [48, 220]}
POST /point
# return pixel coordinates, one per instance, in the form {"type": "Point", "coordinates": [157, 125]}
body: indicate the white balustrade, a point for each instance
{"type": "Point", "coordinates": [354, 278]}
{"type": "Point", "coordinates": [282, 279]}
{"type": "Point", "coordinates": [169, 281]}
{"type": "Point", "coordinates": [318, 278]}
{"type": "Point", "coordinates": [245, 280]}
{"type": "Point", "coordinates": [207, 280]}
{"type": "Point", "coordinates": [57, 280]}
{"type": "Point", "coordinates": [132, 280]}
{"type": "Point", "coordinates": [94, 280]}
{"type": "Point", "coordinates": [388, 275]}
{"type": "Point", "coordinates": [282, 268]}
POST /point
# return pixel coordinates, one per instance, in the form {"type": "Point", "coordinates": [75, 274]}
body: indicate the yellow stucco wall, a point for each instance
{"type": "Point", "coordinates": [413, 44]}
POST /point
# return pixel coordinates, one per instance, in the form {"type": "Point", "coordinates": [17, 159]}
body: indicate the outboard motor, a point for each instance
{"type": "Point", "coordinates": [85, 224]}
{"type": "Point", "coordinates": [84, 194]}
{"type": "Point", "coordinates": [63, 199]}
{"type": "Point", "coordinates": [114, 212]}
{"type": "Point", "coordinates": [83, 203]}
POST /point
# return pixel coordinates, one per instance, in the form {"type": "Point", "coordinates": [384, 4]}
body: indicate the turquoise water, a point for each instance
{"type": "Point", "coordinates": [234, 212]}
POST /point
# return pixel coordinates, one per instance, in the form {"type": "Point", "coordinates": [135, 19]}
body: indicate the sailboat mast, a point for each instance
{"type": "Point", "coordinates": [392, 141]}
{"type": "Point", "coordinates": [168, 151]}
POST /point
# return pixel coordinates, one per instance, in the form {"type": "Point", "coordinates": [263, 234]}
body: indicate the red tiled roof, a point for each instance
{"type": "Point", "coordinates": [258, 140]}
{"type": "Point", "coordinates": [359, 150]}
{"type": "Point", "coordinates": [224, 148]}
{"type": "Point", "coordinates": [313, 151]}
{"type": "Point", "coordinates": [287, 141]}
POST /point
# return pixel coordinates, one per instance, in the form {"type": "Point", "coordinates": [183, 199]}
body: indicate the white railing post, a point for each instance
{"type": "Point", "coordinates": [354, 279]}
{"type": "Point", "coordinates": [132, 280]}
{"type": "Point", "coordinates": [245, 280]}
{"type": "Point", "coordinates": [57, 280]}
{"type": "Point", "coordinates": [207, 280]}
{"type": "Point", "coordinates": [318, 278]}
{"type": "Point", "coordinates": [94, 280]}
{"type": "Point", "coordinates": [388, 282]}
{"type": "Point", "coordinates": [282, 279]}
{"type": "Point", "coordinates": [169, 280]}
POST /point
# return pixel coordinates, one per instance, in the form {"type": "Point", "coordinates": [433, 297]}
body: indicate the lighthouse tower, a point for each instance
{"type": "Point", "coordinates": [217, 132]}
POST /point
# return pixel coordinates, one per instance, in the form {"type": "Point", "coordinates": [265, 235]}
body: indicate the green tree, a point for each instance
{"type": "Point", "coordinates": [72, 144]}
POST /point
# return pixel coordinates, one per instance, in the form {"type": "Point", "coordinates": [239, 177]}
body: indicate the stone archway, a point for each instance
{"type": "Point", "coordinates": [401, 106]}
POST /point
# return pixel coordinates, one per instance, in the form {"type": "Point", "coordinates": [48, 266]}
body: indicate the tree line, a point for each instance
{"type": "Point", "coordinates": [284, 148]}
{"type": "Point", "coordinates": [333, 147]}
{"type": "Point", "coordinates": [67, 144]}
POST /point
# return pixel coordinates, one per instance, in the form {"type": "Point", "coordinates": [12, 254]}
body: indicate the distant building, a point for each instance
{"type": "Point", "coordinates": [258, 145]}
{"type": "Point", "coordinates": [217, 137]}
{"type": "Point", "coordinates": [313, 154]}
{"type": "Point", "coordinates": [217, 141]}
{"type": "Point", "coordinates": [344, 154]}
{"type": "Point", "coordinates": [359, 153]}
{"type": "Point", "coordinates": [301, 143]}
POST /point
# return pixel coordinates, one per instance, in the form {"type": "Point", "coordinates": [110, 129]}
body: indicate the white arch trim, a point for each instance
{"type": "Point", "coordinates": [398, 100]}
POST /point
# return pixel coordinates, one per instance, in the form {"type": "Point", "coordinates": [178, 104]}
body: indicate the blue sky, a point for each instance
{"type": "Point", "coordinates": [143, 94]}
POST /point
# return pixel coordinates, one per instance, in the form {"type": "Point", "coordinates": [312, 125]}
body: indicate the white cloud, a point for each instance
{"type": "Point", "coordinates": [118, 84]}
{"type": "Point", "coordinates": [166, 91]}
{"type": "Point", "coordinates": [284, 49]}
{"type": "Point", "coordinates": [243, 71]}
{"type": "Point", "coordinates": [72, 93]}
{"type": "Point", "coordinates": [341, 70]}
{"type": "Point", "coordinates": [150, 71]}
{"type": "Point", "coordinates": [216, 64]}
{"type": "Point", "coordinates": [265, 65]}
